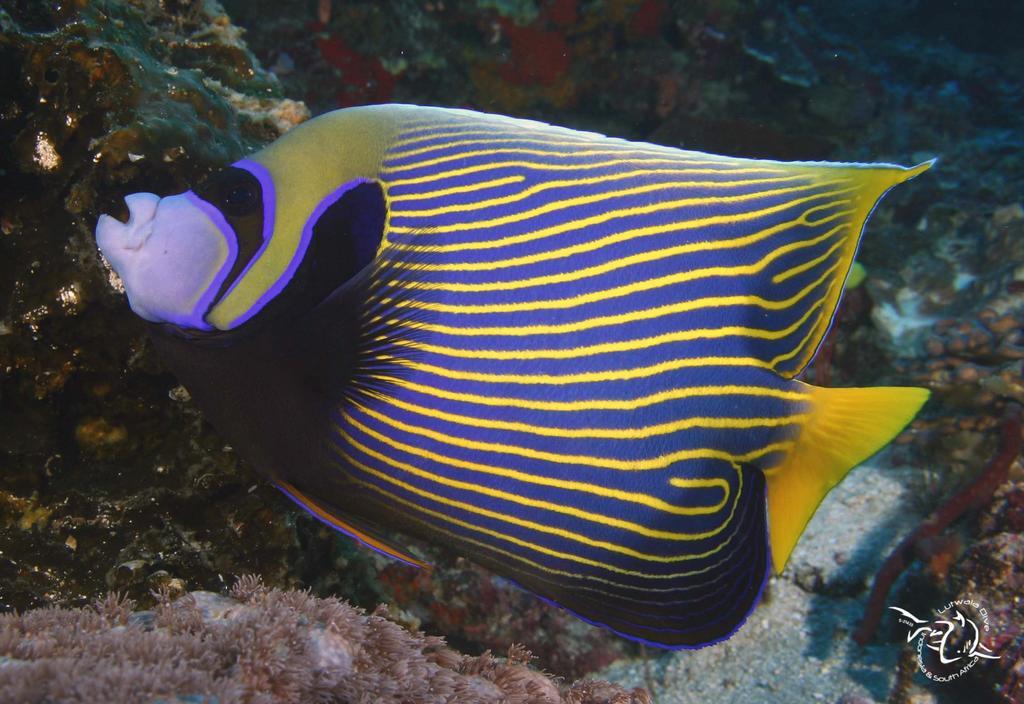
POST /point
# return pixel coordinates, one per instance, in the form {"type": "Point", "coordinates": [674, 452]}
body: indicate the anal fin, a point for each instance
{"type": "Point", "coordinates": [347, 526]}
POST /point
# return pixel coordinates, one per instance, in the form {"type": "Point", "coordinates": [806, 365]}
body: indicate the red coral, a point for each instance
{"type": "Point", "coordinates": [538, 55]}
{"type": "Point", "coordinates": [563, 13]}
{"type": "Point", "coordinates": [647, 20]}
{"type": "Point", "coordinates": [364, 78]}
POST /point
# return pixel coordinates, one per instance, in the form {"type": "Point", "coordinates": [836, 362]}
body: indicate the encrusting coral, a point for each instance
{"type": "Point", "coordinates": [922, 542]}
{"type": "Point", "coordinates": [259, 646]}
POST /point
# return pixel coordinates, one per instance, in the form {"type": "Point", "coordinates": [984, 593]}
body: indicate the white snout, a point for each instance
{"type": "Point", "coordinates": [112, 235]}
{"type": "Point", "coordinates": [171, 256]}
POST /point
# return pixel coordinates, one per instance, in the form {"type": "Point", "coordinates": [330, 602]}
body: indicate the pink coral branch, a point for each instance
{"type": "Point", "coordinates": [972, 496]}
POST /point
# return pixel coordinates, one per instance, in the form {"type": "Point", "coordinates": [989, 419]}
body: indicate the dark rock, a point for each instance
{"type": "Point", "coordinates": [99, 465]}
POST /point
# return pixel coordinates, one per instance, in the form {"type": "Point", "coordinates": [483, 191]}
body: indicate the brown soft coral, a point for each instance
{"type": "Point", "coordinates": [257, 646]}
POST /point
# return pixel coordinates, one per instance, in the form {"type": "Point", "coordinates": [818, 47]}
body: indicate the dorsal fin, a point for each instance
{"type": "Point", "coordinates": [863, 185]}
{"type": "Point", "coordinates": [526, 229]}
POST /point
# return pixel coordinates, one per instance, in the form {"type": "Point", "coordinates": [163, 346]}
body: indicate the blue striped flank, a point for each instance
{"type": "Point", "coordinates": [589, 350]}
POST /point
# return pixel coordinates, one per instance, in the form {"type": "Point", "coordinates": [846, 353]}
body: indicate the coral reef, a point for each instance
{"type": "Point", "coordinates": [992, 570]}
{"type": "Point", "coordinates": [474, 610]}
{"type": "Point", "coordinates": [259, 645]}
{"type": "Point", "coordinates": [102, 455]}
{"type": "Point", "coordinates": [926, 541]}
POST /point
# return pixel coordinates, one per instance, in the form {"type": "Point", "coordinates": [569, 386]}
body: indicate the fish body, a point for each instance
{"type": "Point", "coordinates": [569, 357]}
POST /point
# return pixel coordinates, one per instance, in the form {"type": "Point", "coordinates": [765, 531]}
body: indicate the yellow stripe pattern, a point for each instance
{"type": "Point", "coordinates": [583, 359]}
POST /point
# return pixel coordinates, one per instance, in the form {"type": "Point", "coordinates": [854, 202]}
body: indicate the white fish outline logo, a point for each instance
{"type": "Point", "coordinates": [938, 631]}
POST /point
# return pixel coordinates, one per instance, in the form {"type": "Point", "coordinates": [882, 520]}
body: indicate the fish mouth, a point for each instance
{"type": "Point", "coordinates": [114, 237]}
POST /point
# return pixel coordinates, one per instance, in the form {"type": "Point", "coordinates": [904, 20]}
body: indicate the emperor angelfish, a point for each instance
{"type": "Point", "coordinates": [570, 358]}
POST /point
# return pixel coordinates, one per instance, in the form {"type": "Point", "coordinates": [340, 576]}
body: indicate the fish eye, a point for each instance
{"type": "Point", "coordinates": [238, 200]}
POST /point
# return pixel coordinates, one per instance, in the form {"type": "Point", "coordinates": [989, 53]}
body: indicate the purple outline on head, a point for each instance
{"type": "Point", "coordinates": [269, 196]}
{"type": "Point", "coordinates": [269, 199]}
{"type": "Point", "coordinates": [196, 318]}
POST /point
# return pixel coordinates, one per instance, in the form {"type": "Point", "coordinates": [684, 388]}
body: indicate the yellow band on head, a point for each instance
{"type": "Point", "coordinates": [302, 169]}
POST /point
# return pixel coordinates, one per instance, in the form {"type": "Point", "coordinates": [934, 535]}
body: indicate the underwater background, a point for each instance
{"type": "Point", "coordinates": [110, 480]}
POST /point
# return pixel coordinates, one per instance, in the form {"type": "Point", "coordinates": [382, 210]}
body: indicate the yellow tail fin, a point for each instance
{"type": "Point", "coordinates": [845, 428]}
